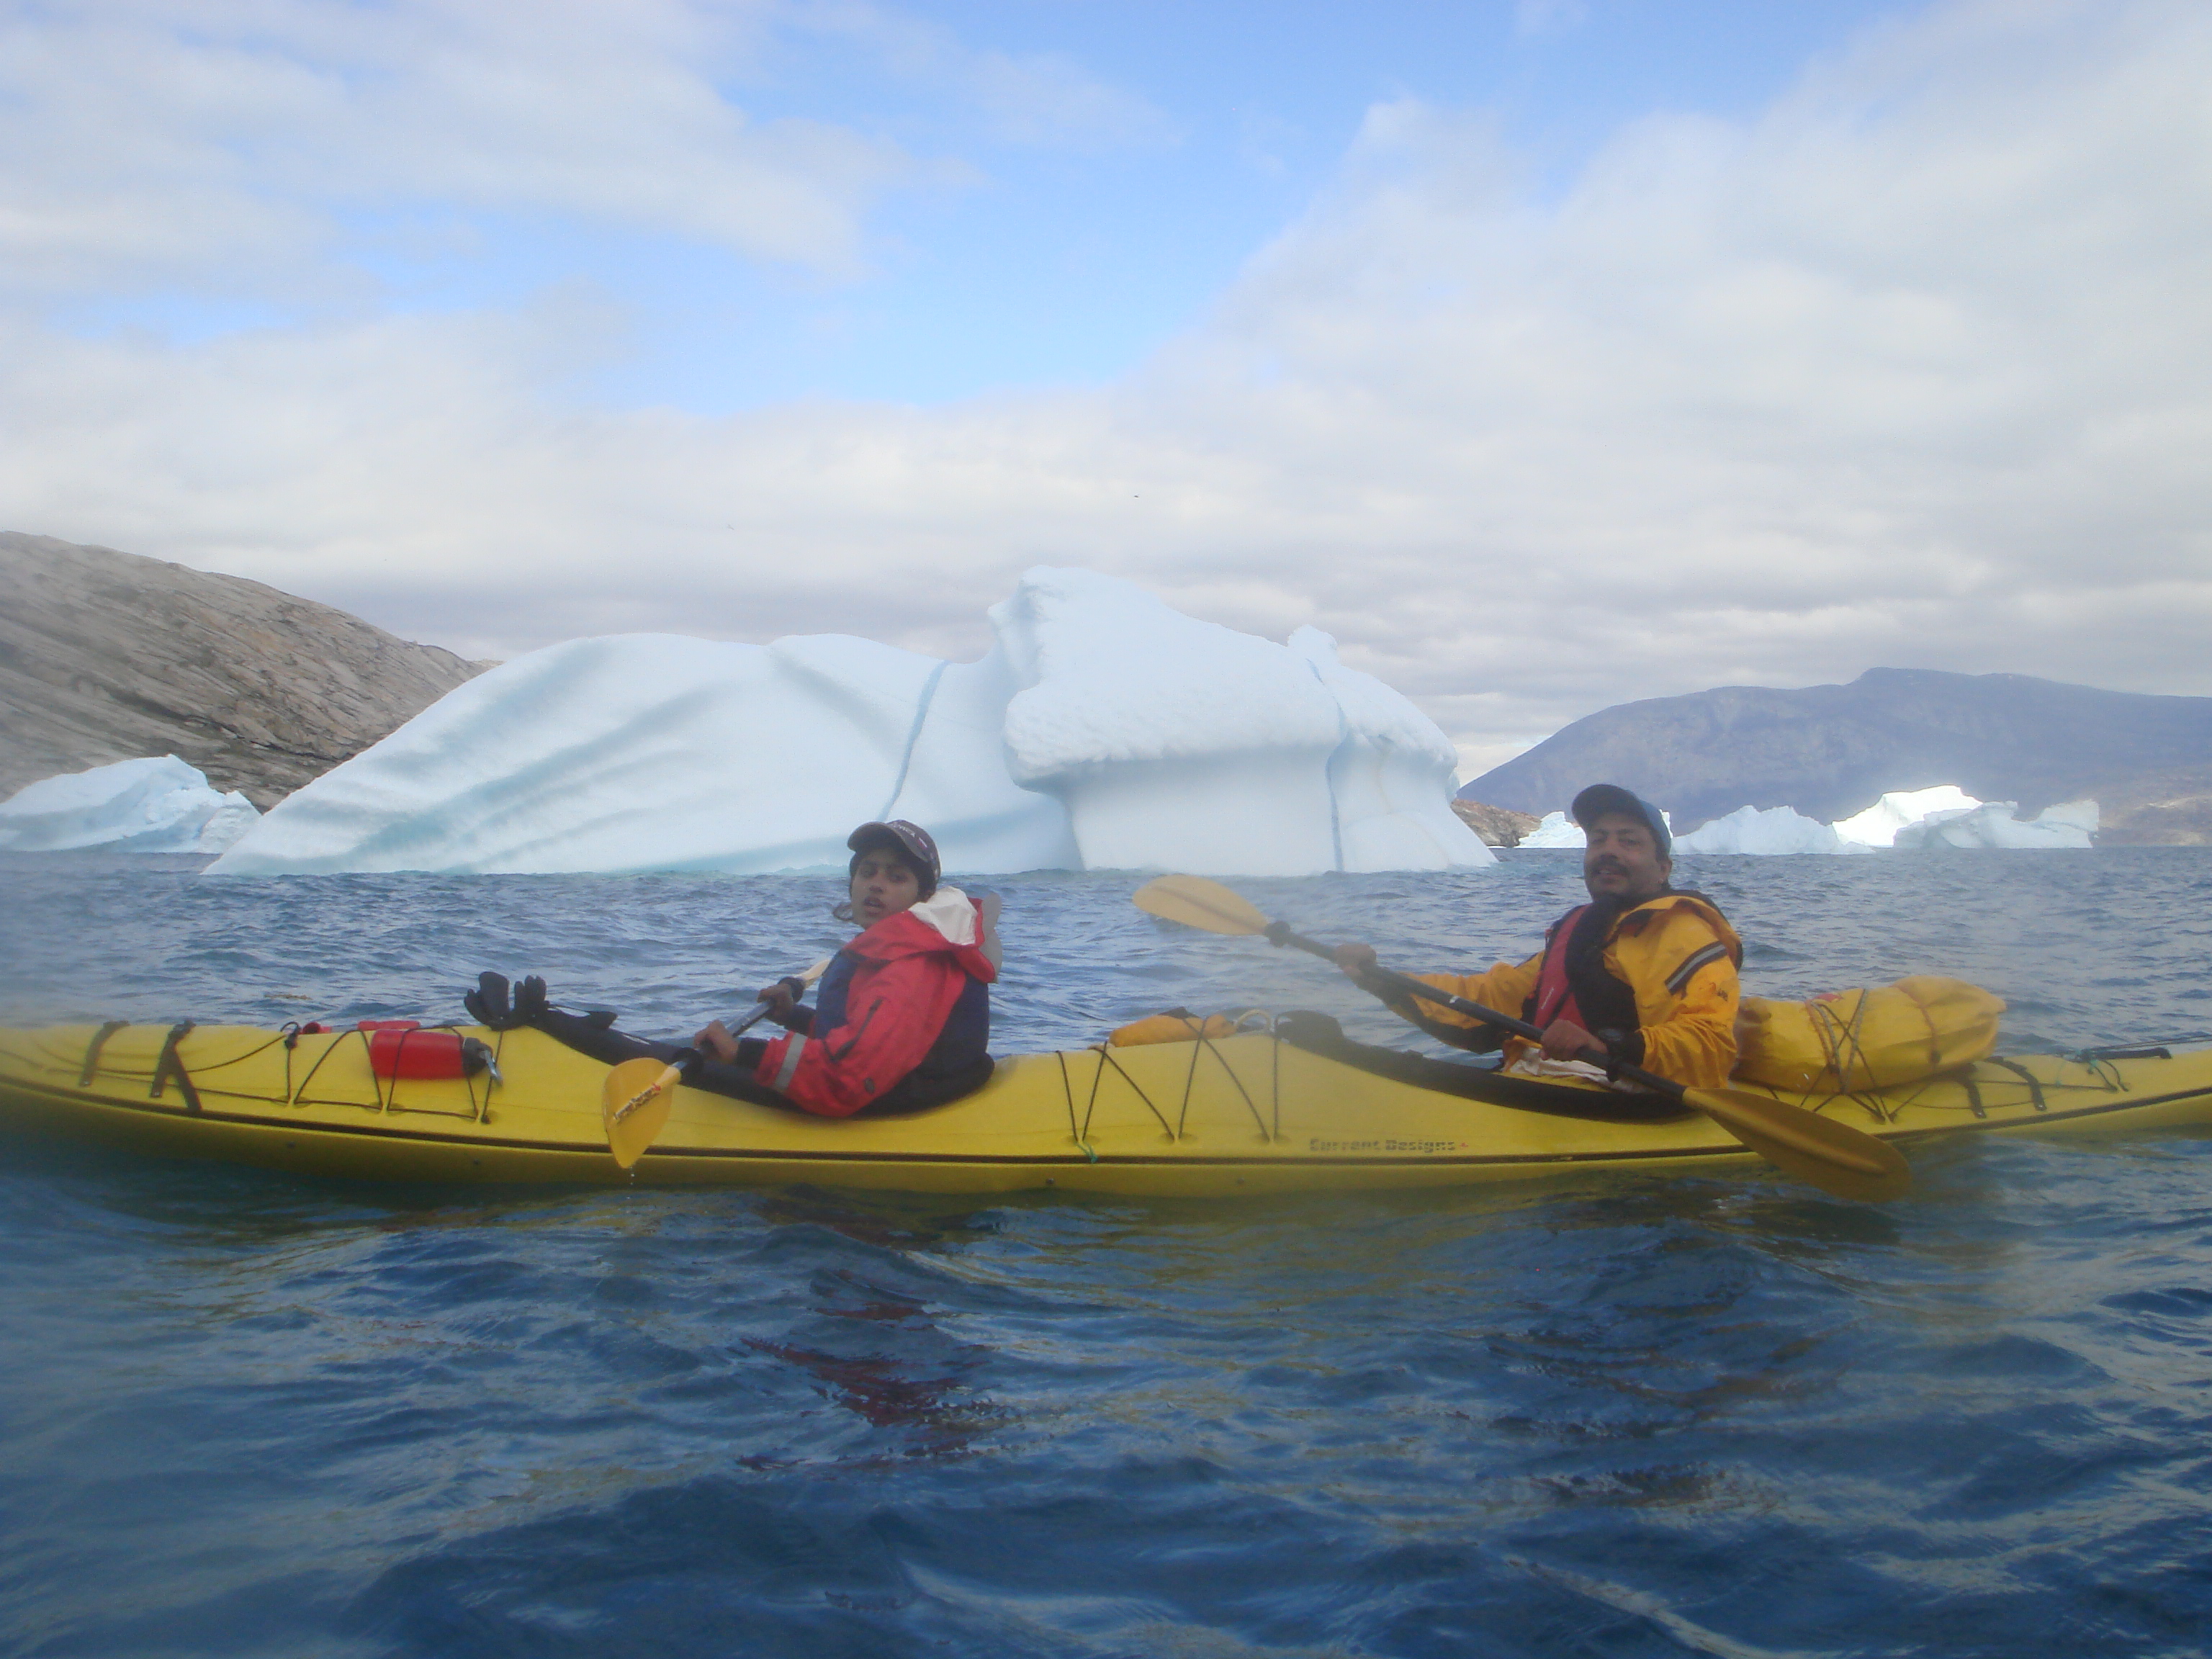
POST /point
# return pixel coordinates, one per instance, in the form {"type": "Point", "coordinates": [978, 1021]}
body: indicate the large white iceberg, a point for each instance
{"type": "Point", "coordinates": [157, 805]}
{"type": "Point", "coordinates": [1992, 824]}
{"type": "Point", "coordinates": [1103, 730]}
{"type": "Point", "coordinates": [1878, 825]}
{"type": "Point", "coordinates": [1776, 830]}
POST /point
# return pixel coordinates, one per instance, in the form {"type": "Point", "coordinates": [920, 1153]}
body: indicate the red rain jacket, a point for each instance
{"type": "Point", "coordinates": [908, 971]}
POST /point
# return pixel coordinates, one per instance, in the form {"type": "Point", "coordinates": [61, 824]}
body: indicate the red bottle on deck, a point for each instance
{"type": "Point", "coordinates": [401, 1049]}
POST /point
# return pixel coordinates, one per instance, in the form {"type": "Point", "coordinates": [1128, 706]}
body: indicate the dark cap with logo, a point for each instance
{"type": "Point", "coordinates": [910, 839]}
{"type": "Point", "coordinates": [1601, 799]}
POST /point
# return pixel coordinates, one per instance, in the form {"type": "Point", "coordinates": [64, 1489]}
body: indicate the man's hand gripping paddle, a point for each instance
{"type": "Point", "coordinates": [633, 1101]}
{"type": "Point", "coordinates": [1831, 1156]}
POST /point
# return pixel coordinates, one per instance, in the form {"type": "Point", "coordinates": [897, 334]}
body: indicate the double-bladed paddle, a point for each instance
{"type": "Point", "coordinates": [633, 1101]}
{"type": "Point", "coordinates": [1831, 1156]}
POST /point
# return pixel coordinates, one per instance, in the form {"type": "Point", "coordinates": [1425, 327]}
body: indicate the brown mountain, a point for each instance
{"type": "Point", "coordinates": [105, 656]}
{"type": "Point", "coordinates": [1829, 750]}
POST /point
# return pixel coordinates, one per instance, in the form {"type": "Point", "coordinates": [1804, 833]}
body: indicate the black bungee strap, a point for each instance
{"type": "Point", "coordinates": [2034, 1083]}
{"type": "Point", "coordinates": [170, 1066]}
{"type": "Point", "coordinates": [91, 1051]}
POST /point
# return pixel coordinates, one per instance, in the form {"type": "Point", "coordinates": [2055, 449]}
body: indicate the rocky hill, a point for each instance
{"type": "Point", "coordinates": [1829, 751]}
{"type": "Point", "coordinates": [106, 655]}
{"type": "Point", "coordinates": [1496, 826]}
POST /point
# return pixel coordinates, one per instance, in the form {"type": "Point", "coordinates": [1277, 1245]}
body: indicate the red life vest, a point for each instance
{"type": "Point", "coordinates": [1554, 998]}
{"type": "Point", "coordinates": [1588, 993]}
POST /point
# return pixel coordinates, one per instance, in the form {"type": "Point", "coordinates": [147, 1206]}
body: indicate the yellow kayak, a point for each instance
{"type": "Point", "coordinates": [1248, 1113]}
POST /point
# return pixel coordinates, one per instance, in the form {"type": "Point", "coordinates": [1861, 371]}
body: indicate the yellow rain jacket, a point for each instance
{"type": "Point", "coordinates": [1677, 954]}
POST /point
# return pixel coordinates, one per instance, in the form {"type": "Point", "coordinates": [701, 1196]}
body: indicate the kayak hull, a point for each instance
{"type": "Point", "coordinates": [1241, 1114]}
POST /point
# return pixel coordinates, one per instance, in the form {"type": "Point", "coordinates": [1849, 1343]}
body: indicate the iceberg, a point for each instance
{"type": "Point", "coordinates": [156, 805]}
{"type": "Point", "coordinates": [1555, 830]}
{"type": "Point", "coordinates": [1878, 825]}
{"type": "Point", "coordinates": [1945, 816]}
{"type": "Point", "coordinates": [1994, 824]}
{"type": "Point", "coordinates": [1774, 831]}
{"type": "Point", "coordinates": [1102, 730]}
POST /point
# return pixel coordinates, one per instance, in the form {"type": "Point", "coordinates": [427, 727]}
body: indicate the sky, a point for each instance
{"type": "Point", "coordinates": [1548, 352]}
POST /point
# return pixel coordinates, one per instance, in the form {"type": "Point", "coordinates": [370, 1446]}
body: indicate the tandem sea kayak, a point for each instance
{"type": "Point", "coordinates": [1247, 1113]}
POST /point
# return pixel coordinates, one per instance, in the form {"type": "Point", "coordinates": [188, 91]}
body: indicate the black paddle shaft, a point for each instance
{"type": "Point", "coordinates": [1379, 981]}
{"type": "Point", "coordinates": [753, 1018]}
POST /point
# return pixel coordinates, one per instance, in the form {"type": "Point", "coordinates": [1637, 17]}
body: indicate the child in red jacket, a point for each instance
{"type": "Point", "coordinates": [901, 1020]}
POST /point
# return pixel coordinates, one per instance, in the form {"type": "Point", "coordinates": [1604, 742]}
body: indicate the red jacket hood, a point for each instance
{"type": "Point", "coordinates": [922, 932]}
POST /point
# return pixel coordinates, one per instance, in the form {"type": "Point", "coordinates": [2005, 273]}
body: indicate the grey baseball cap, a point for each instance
{"type": "Point", "coordinates": [1603, 798]}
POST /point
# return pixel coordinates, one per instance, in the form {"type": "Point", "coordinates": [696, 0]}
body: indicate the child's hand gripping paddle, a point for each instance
{"type": "Point", "coordinates": [633, 1101]}
{"type": "Point", "coordinates": [1831, 1156]}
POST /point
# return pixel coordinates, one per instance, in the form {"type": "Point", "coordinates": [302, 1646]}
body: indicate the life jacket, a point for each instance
{"type": "Point", "coordinates": [909, 997]}
{"type": "Point", "coordinates": [1573, 982]}
{"type": "Point", "coordinates": [963, 1039]}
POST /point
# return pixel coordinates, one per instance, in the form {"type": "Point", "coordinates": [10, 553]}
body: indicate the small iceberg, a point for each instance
{"type": "Point", "coordinates": [1555, 830]}
{"type": "Point", "coordinates": [1773, 830]}
{"type": "Point", "coordinates": [2072, 824]}
{"type": "Point", "coordinates": [156, 805]}
{"type": "Point", "coordinates": [1944, 816]}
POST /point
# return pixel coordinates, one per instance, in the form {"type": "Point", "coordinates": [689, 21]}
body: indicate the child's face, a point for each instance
{"type": "Point", "coordinates": [883, 886]}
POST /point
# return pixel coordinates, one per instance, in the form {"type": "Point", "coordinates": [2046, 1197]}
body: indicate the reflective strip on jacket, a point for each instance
{"type": "Point", "coordinates": [902, 980]}
{"type": "Point", "coordinates": [1678, 955]}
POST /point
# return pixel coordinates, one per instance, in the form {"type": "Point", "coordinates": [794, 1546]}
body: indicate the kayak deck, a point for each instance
{"type": "Point", "coordinates": [1247, 1113]}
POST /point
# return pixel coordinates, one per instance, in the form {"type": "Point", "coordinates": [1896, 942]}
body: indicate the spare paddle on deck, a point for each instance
{"type": "Point", "coordinates": [1831, 1156]}
{"type": "Point", "coordinates": [633, 1101]}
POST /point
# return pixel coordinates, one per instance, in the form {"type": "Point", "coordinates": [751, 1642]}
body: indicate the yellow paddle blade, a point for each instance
{"type": "Point", "coordinates": [1831, 1156]}
{"type": "Point", "coordinates": [1197, 903]}
{"type": "Point", "coordinates": [634, 1104]}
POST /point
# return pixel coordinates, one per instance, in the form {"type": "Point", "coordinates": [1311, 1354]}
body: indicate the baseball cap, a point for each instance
{"type": "Point", "coordinates": [1603, 798]}
{"type": "Point", "coordinates": [910, 838]}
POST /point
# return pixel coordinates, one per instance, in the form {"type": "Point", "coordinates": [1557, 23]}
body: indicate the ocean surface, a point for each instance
{"type": "Point", "coordinates": [243, 1413]}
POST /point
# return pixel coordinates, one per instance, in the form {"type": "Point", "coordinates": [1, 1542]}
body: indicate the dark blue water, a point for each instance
{"type": "Point", "coordinates": [248, 1415]}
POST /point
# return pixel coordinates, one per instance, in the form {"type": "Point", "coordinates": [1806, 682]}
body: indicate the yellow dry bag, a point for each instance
{"type": "Point", "coordinates": [1849, 1041]}
{"type": "Point", "coordinates": [1177, 1026]}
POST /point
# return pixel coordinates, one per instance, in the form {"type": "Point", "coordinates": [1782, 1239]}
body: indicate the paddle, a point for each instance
{"type": "Point", "coordinates": [634, 1100]}
{"type": "Point", "coordinates": [1831, 1156]}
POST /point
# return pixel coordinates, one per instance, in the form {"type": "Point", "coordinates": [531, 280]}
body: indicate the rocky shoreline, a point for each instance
{"type": "Point", "coordinates": [107, 656]}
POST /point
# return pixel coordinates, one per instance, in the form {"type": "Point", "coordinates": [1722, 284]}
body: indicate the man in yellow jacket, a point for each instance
{"type": "Point", "coordinates": [1643, 974]}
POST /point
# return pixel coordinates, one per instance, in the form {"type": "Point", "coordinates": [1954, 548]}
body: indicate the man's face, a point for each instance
{"type": "Point", "coordinates": [1623, 861]}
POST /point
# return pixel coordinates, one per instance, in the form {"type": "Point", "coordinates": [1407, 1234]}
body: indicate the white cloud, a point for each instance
{"type": "Point", "coordinates": [1916, 369]}
{"type": "Point", "coordinates": [1044, 98]}
{"type": "Point", "coordinates": [221, 144]}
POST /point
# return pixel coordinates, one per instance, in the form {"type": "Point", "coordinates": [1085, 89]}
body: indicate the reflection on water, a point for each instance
{"type": "Point", "coordinates": [246, 1414]}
